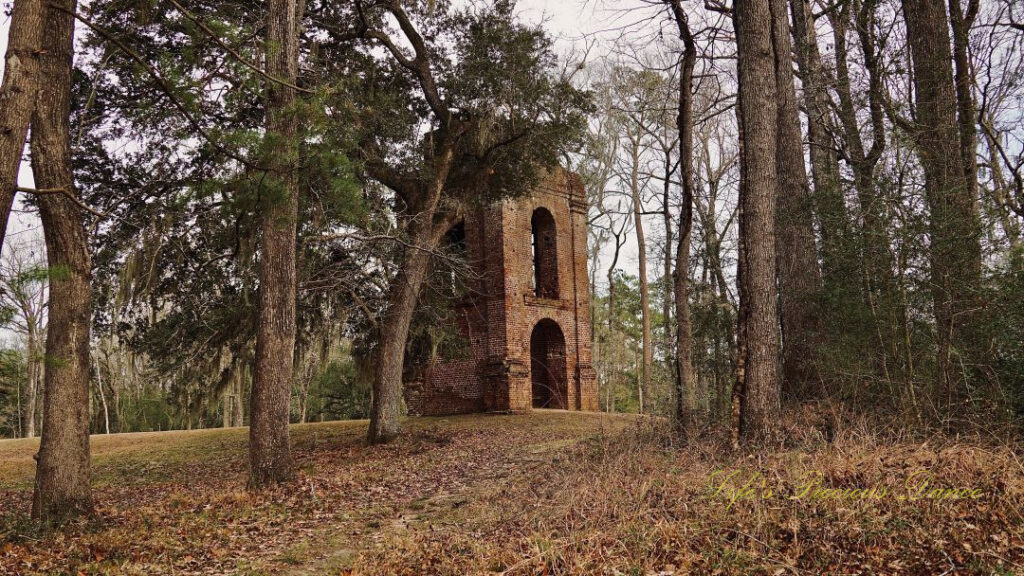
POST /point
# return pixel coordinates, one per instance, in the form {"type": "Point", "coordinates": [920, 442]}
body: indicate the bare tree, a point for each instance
{"type": "Point", "coordinates": [23, 292]}
{"type": "Point", "coordinates": [685, 396]}
{"type": "Point", "coordinates": [637, 95]}
{"type": "Point", "coordinates": [717, 160]}
{"type": "Point", "coordinates": [874, 238]}
{"type": "Point", "coordinates": [837, 270]}
{"type": "Point", "coordinates": [645, 293]}
{"type": "Point", "coordinates": [953, 218]}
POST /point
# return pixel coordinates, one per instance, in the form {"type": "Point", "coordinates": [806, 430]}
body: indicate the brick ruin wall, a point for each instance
{"type": "Point", "coordinates": [499, 316]}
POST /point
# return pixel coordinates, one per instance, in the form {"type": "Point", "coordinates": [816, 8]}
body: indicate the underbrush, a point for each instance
{"type": "Point", "coordinates": [839, 497]}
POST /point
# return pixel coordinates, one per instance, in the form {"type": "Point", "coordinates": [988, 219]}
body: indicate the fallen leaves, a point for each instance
{"type": "Point", "coordinates": [517, 495]}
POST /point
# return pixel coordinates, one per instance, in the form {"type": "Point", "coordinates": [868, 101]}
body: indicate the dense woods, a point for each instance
{"type": "Point", "coordinates": [245, 211]}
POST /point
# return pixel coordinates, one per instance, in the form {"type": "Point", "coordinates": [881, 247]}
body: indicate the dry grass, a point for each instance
{"type": "Point", "coordinates": [633, 504]}
{"type": "Point", "coordinates": [547, 493]}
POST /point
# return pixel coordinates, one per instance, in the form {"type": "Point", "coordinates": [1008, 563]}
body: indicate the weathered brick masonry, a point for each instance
{"type": "Point", "coordinates": [527, 320]}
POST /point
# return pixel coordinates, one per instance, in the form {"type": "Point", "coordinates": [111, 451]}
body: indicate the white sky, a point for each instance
{"type": "Point", "coordinates": [577, 25]}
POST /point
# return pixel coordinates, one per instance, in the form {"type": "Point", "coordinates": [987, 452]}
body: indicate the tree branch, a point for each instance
{"type": "Point", "coordinates": [213, 36]}
{"type": "Point", "coordinates": [63, 192]}
{"type": "Point", "coordinates": [165, 87]}
{"type": "Point", "coordinates": [419, 64]}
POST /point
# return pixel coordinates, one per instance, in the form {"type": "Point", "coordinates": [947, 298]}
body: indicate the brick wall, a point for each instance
{"type": "Point", "coordinates": [499, 317]}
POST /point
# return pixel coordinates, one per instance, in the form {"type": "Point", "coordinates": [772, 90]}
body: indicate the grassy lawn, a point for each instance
{"type": "Point", "coordinates": [543, 493]}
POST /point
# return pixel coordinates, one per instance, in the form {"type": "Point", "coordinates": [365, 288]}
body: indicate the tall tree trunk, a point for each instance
{"type": "Point", "coordinates": [18, 95]}
{"type": "Point", "coordinates": [99, 388]}
{"type": "Point", "coordinates": [760, 401]}
{"type": "Point", "coordinates": [736, 420]}
{"type": "Point", "coordinates": [62, 475]}
{"type": "Point", "coordinates": [645, 313]}
{"type": "Point", "coordinates": [685, 396]}
{"type": "Point", "coordinates": [967, 120]}
{"type": "Point", "coordinates": [227, 400]}
{"type": "Point", "coordinates": [386, 408]}
{"type": "Point", "coordinates": [954, 221]}
{"type": "Point", "coordinates": [797, 268]}
{"type": "Point", "coordinates": [33, 382]}
{"type": "Point", "coordinates": [244, 376]}
{"type": "Point", "coordinates": [269, 443]}
{"type": "Point", "coordinates": [611, 283]}
{"type": "Point", "coordinates": [838, 266]}
{"type": "Point", "coordinates": [668, 285]}
{"type": "Point", "coordinates": [106, 408]}
{"type": "Point", "coordinates": [304, 404]}
{"type": "Point", "coordinates": [707, 214]}
{"type": "Point", "coordinates": [966, 111]}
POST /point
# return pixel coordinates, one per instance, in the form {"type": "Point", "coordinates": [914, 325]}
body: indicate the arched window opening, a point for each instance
{"type": "Point", "coordinates": [454, 246]}
{"type": "Point", "coordinates": [545, 254]}
{"type": "Point", "coordinates": [456, 237]}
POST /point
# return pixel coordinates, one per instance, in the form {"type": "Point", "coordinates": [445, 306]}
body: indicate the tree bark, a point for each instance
{"type": "Point", "coordinates": [62, 475]}
{"type": "Point", "coordinates": [103, 403]}
{"type": "Point", "coordinates": [797, 268]}
{"type": "Point", "coordinates": [966, 110]}
{"type": "Point", "coordinates": [685, 396]}
{"type": "Point", "coordinates": [760, 400]}
{"type": "Point", "coordinates": [385, 423]}
{"type": "Point", "coordinates": [18, 95]}
{"type": "Point", "coordinates": [838, 267]}
{"type": "Point", "coordinates": [611, 279]}
{"type": "Point", "coordinates": [645, 313]}
{"type": "Point", "coordinates": [954, 222]}
{"type": "Point", "coordinates": [668, 285]}
{"type": "Point", "coordinates": [33, 381]}
{"type": "Point", "coordinates": [244, 376]}
{"type": "Point", "coordinates": [736, 410]}
{"type": "Point", "coordinates": [386, 408]}
{"type": "Point", "coordinates": [269, 442]}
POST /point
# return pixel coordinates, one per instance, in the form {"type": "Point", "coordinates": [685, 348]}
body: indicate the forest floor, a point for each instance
{"type": "Point", "coordinates": [541, 493]}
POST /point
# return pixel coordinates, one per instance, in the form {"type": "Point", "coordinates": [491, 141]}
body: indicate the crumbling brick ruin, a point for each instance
{"type": "Point", "coordinates": [527, 319]}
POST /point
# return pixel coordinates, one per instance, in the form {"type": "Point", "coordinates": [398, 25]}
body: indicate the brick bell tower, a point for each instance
{"type": "Point", "coordinates": [527, 318]}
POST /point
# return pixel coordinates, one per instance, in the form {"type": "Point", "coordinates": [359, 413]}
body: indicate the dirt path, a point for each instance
{"type": "Point", "coordinates": [463, 468]}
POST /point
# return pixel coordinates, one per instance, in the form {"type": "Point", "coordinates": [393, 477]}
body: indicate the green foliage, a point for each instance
{"type": "Point", "coordinates": [498, 76]}
{"type": "Point", "coordinates": [177, 152]}
{"type": "Point", "coordinates": [619, 357]}
{"type": "Point", "coordinates": [1007, 328]}
{"type": "Point", "coordinates": [436, 331]}
{"type": "Point", "coordinates": [340, 392]}
{"type": "Point", "coordinates": [148, 412]}
{"type": "Point", "coordinates": [12, 376]}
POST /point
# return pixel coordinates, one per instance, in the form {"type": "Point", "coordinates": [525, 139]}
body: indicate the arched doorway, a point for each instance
{"type": "Point", "coordinates": [547, 366]}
